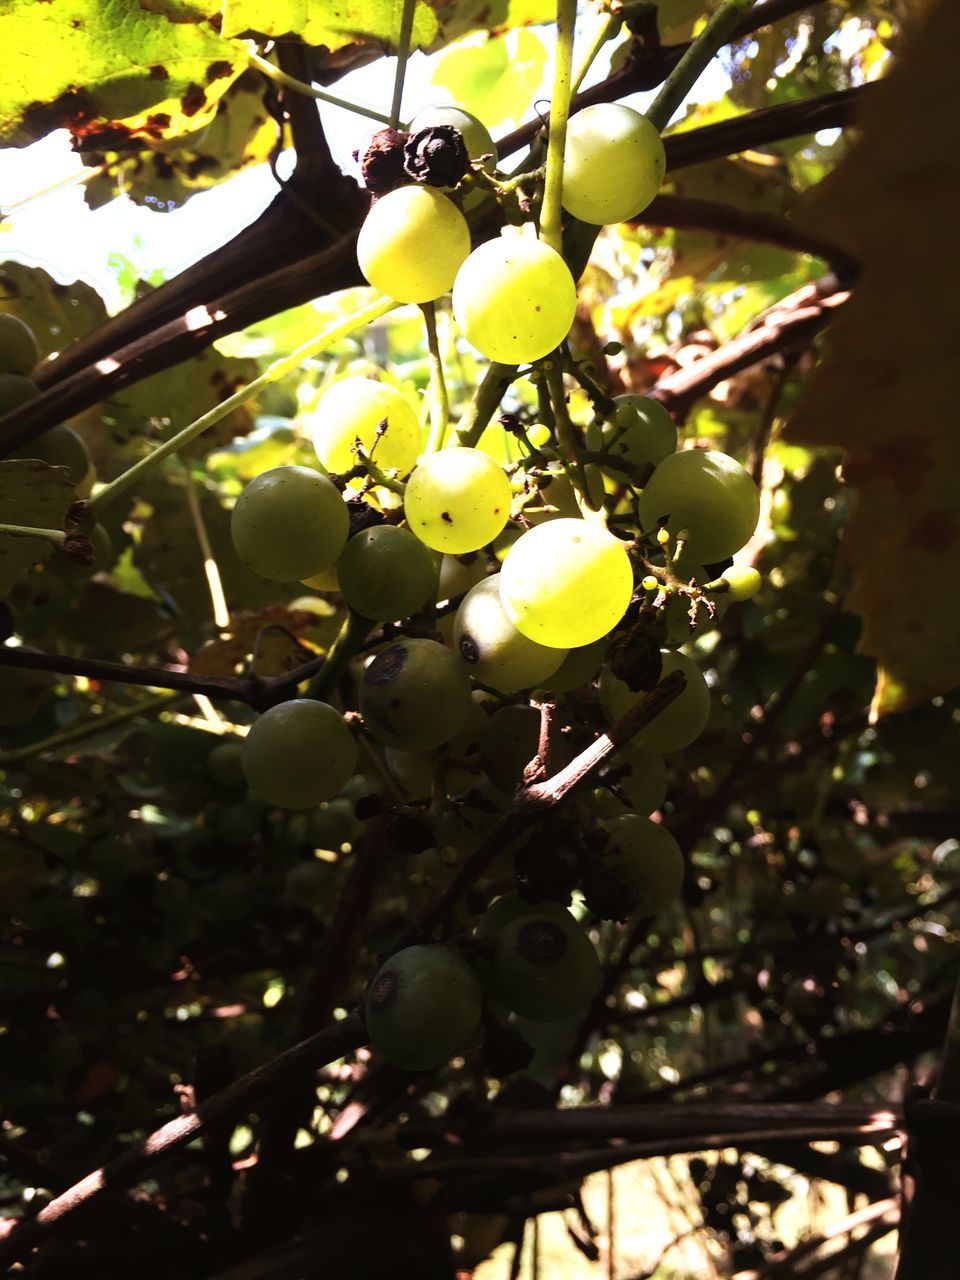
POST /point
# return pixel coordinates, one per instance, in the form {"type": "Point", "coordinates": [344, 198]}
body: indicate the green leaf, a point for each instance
{"type": "Point", "coordinates": [495, 80]}
{"type": "Point", "coordinates": [111, 73]}
{"type": "Point", "coordinates": [33, 494]}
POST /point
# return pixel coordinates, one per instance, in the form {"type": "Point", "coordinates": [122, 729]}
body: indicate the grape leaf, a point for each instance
{"type": "Point", "coordinates": [36, 495]}
{"type": "Point", "coordinates": [496, 80]}
{"type": "Point", "coordinates": [886, 390]}
{"type": "Point", "coordinates": [113, 72]}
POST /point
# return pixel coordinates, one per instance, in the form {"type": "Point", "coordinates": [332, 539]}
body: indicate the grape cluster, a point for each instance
{"type": "Point", "coordinates": [572, 571]}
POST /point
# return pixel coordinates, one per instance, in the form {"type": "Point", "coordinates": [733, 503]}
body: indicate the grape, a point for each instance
{"type": "Point", "coordinates": [298, 754]}
{"type": "Point", "coordinates": [579, 666]}
{"type": "Point", "coordinates": [679, 723]}
{"type": "Point", "coordinates": [414, 695]}
{"type": "Point", "coordinates": [647, 856]}
{"type": "Point", "coordinates": [744, 581]}
{"type": "Point", "coordinates": [325, 580]}
{"type": "Point", "coordinates": [566, 583]}
{"type": "Point", "coordinates": [639, 430]}
{"type": "Point", "coordinates": [289, 523]}
{"type": "Point", "coordinates": [414, 770]}
{"type": "Point", "coordinates": [19, 352]}
{"type": "Point", "coordinates": [613, 164]}
{"type": "Point", "coordinates": [312, 885]}
{"type": "Point", "coordinates": [412, 244]}
{"type": "Point", "coordinates": [504, 910]}
{"type": "Point", "coordinates": [457, 500]}
{"type": "Point", "coordinates": [545, 968]}
{"type": "Point", "coordinates": [353, 409]}
{"type": "Point", "coordinates": [15, 390]}
{"type": "Point", "coordinates": [641, 776]}
{"type": "Point", "coordinates": [706, 493]}
{"type": "Point", "coordinates": [508, 743]}
{"type": "Point", "coordinates": [557, 494]}
{"type": "Point", "coordinates": [476, 136]}
{"type": "Point", "coordinates": [515, 299]}
{"type": "Point", "coordinates": [494, 651]}
{"type": "Point", "coordinates": [422, 1006]}
{"type": "Point", "coordinates": [59, 447]}
{"type": "Point", "coordinates": [386, 574]}
{"type": "Point", "coordinates": [224, 765]}
{"type": "Point", "coordinates": [459, 573]}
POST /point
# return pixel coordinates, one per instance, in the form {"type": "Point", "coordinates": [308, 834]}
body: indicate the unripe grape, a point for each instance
{"type": "Point", "coordinates": [641, 776]}
{"type": "Point", "coordinates": [744, 581]}
{"type": "Point", "coordinates": [224, 765]}
{"type": "Point", "coordinates": [508, 742]}
{"type": "Point", "coordinates": [298, 754]}
{"type": "Point", "coordinates": [352, 410]}
{"type": "Point", "coordinates": [386, 574]}
{"type": "Point", "coordinates": [457, 500]}
{"type": "Point", "coordinates": [613, 164]}
{"type": "Point", "coordinates": [19, 352]}
{"type": "Point", "coordinates": [648, 857]}
{"type": "Point", "coordinates": [289, 523]}
{"type": "Point", "coordinates": [566, 583]}
{"type": "Point", "coordinates": [545, 968]}
{"type": "Point", "coordinates": [423, 1005]}
{"type": "Point", "coordinates": [412, 244]}
{"type": "Point", "coordinates": [414, 695]}
{"type": "Point", "coordinates": [639, 430]}
{"type": "Point", "coordinates": [15, 389]}
{"type": "Point", "coordinates": [706, 493]}
{"type": "Point", "coordinates": [459, 573]}
{"type": "Point", "coordinates": [579, 666]}
{"type": "Point", "coordinates": [493, 650]}
{"type": "Point", "coordinates": [59, 447]}
{"type": "Point", "coordinates": [515, 299]}
{"type": "Point", "coordinates": [679, 723]}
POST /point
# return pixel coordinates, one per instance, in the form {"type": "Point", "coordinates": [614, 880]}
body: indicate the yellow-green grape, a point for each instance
{"type": "Point", "coordinates": [224, 765]}
{"type": "Point", "coordinates": [566, 583]}
{"type": "Point", "coordinates": [326, 580]}
{"type": "Point", "coordinates": [515, 299]}
{"type": "Point", "coordinates": [650, 860]}
{"type": "Point", "coordinates": [386, 574]}
{"type": "Point", "coordinates": [545, 968]}
{"type": "Point", "coordinates": [59, 447]}
{"type": "Point", "coordinates": [289, 523]}
{"type": "Point", "coordinates": [678, 724]}
{"type": "Point", "coordinates": [639, 430]}
{"type": "Point", "coordinates": [508, 742]}
{"type": "Point", "coordinates": [19, 352]}
{"type": "Point", "coordinates": [15, 389]}
{"type": "Point", "coordinates": [412, 244]}
{"type": "Point", "coordinates": [578, 667]}
{"type": "Point", "coordinates": [476, 135]}
{"type": "Point", "coordinates": [494, 651]}
{"type": "Point", "coordinates": [613, 164]}
{"type": "Point", "coordinates": [423, 1005]}
{"type": "Point", "coordinates": [414, 695]}
{"type": "Point", "coordinates": [706, 493]}
{"type": "Point", "coordinates": [459, 573]}
{"type": "Point", "coordinates": [298, 754]}
{"type": "Point", "coordinates": [457, 500]}
{"type": "Point", "coordinates": [744, 581]}
{"type": "Point", "coordinates": [641, 777]}
{"type": "Point", "coordinates": [353, 410]}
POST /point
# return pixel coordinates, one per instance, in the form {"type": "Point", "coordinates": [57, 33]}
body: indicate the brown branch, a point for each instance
{"type": "Point", "coordinates": [882, 1217]}
{"type": "Point", "coordinates": [326, 1046]}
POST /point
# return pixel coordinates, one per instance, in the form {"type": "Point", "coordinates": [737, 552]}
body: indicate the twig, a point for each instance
{"type": "Point", "coordinates": [307, 90]}
{"type": "Point", "coordinates": [87, 728]}
{"type": "Point", "coordinates": [881, 1216]}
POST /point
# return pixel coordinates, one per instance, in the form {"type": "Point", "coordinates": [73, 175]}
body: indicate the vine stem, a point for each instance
{"type": "Point", "coordinates": [439, 401]}
{"type": "Point", "coordinates": [403, 53]}
{"type": "Point", "coordinates": [559, 110]}
{"type": "Point", "coordinates": [308, 91]}
{"type": "Point", "coordinates": [88, 728]}
{"type": "Point", "coordinates": [56, 536]}
{"type": "Point", "coordinates": [607, 29]}
{"type": "Point", "coordinates": [685, 74]}
{"type": "Point", "coordinates": [347, 645]}
{"type": "Point", "coordinates": [278, 369]}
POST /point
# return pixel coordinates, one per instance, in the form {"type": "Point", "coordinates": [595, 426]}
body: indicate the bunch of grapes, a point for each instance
{"type": "Point", "coordinates": [474, 592]}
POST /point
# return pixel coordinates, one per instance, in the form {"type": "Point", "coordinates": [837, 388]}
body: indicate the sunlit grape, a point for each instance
{"type": "Point", "coordinates": [412, 244]}
{"type": "Point", "coordinates": [494, 651]}
{"type": "Point", "coordinates": [359, 410]}
{"type": "Point", "coordinates": [706, 493]}
{"type": "Point", "coordinates": [457, 500]}
{"type": "Point", "coordinates": [613, 163]}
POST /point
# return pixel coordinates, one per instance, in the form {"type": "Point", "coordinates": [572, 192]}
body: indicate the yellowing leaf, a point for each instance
{"type": "Point", "coordinates": [495, 79]}
{"type": "Point", "coordinates": [886, 391]}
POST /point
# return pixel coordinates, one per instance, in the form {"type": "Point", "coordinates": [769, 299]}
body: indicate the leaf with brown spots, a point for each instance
{"type": "Point", "coordinates": [886, 391]}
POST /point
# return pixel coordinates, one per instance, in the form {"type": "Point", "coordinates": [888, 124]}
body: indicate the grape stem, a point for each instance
{"type": "Point", "coordinates": [550, 211]}
{"type": "Point", "coordinates": [569, 446]}
{"type": "Point", "coordinates": [439, 401]}
{"type": "Point", "coordinates": [403, 53]}
{"type": "Point", "coordinates": [308, 91]}
{"type": "Point", "coordinates": [718, 31]}
{"type": "Point", "coordinates": [279, 369]}
{"type": "Point", "coordinates": [347, 645]}
{"type": "Point", "coordinates": [483, 404]}
{"type": "Point", "coordinates": [56, 536]}
{"type": "Point", "coordinates": [379, 476]}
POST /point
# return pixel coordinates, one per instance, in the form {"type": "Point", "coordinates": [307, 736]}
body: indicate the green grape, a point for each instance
{"type": "Point", "coordinates": [744, 581]}
{"type": "Point", "coordinates": [476, 136]}
{"type": "Point", "coordinates": [508, 743]}
{"type": "Point", "coordinates": [647, 856]}
{"type": "Point", "coordinates": [19, 352]}
{"type": "Point", "coordinates": [509, 907]}
{"type": "Point", "coordinates": [641, 777]}
{"type": "Point", "coordinates": [386, 574]}
{"type": "Point", "coordinates": [566, 583]}
{"type": "Point", "coordinates": [678, 724]}
{"type": "Point", "coordinates": [515, 299]}
{"type": "Point", "coordinates": [15, 390]}
{"type": "Point", "coordinates": [423, 1005]}
{"type": "Point", "coordinates": [298, 754]}
{"type": "Point", "coordinates": [578, 667]}
{"type": "Point", "coordinates": [459, 573]}
{"type": "Point", "coordinates": [545, 968]}
{"type": "Point", "coordinates": [639, 430]}
{"type": "Point", "coordinates": [414, 770]}
{"type": "Point", "coordinates": [326, 580]}
{"type": "Point", "coordinates": [706, 493]}
{"type": "Point", "coordinates": [224, 765]}
{"type": "Point", "coordinates": [414, 695]}
{"type": "Point", "coordinates": [457, 500]}
{"type": "Point", "coordinates": [412, 244]}
{"type": "Point", "coordinates": [613, 164]}
{"type": "Point", "coordinates": [59, 447]}
{"type": "Point", "coordinates": [353, 410]}
{"type": "Point", "coordinates": [289, 523]}
{"type": "Point", "coordinates": [494, 651]}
